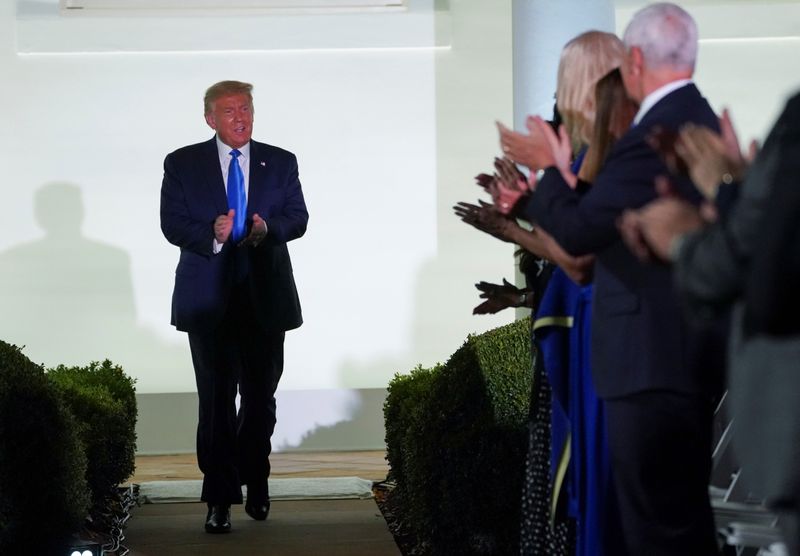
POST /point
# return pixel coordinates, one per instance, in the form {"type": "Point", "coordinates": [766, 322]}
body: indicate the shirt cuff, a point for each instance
{"type": "Point", "coordinates": [216, 247]}
{"type": "Point", "coordinates": [676, 246]}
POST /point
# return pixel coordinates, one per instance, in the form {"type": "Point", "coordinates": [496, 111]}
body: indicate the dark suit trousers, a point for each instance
{"type": "Point", "coordinates": [660, 445]}
{"type": "Point", "coordinates": [233, 449]}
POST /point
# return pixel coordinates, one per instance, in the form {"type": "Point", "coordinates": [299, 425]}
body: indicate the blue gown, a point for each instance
{"type": "Point", "coordinates": [580, 463]}
{"type": "Point", "coordinates": [580, 460]}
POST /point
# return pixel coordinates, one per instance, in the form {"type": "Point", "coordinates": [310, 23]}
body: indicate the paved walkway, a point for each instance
{"type": "Point", "coordinates": [294, 528]}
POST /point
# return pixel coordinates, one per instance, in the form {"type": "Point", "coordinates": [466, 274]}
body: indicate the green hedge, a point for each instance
{"type": "Point", "coordinates": [456, 443]}
{"type": "Point", "coordinates": [43, 492]}
{"type": "Point", "coordinates": [67, 439]}
{"type": "Point", "coordinates": [103, 400]}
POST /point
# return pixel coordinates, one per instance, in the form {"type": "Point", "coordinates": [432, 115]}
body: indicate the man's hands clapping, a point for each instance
{"type": "Point", "coordinates": [708, 157]}
{"type": "Point", "coordinates": [258, 231]}
{"type": "Point", "coordinates": [649, 232]}
{"type": "Point", "coordinates": [223, 225]}
{"type": "Point", "coordinates": [713, 158]}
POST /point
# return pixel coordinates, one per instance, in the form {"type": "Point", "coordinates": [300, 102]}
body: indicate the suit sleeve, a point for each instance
{"type": "Point", "coordinates": [290, 223]}
{"type": "Point", "coordinates": [177, 223]}
{"type": "Point", "coordinates": [587, 224]}
{"type": "Point", "coordinates": [584, 224]}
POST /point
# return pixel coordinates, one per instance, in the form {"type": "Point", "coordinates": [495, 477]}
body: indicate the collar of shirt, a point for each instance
{"type": "Point", "coordinates": [653, 98]}
{"type": "Point", "coordinates": [225, 153]}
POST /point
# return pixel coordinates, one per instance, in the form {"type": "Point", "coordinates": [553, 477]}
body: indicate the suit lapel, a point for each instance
{"type": "Point", "coordinates": [259, 176]}
{"type": "Point", "coordinates": [215, 185]}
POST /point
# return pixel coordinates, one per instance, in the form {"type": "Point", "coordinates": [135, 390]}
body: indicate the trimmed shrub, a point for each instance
{"type": "Point", "coordinates": [456, 444]}
{"type": "Point", "coordinates": [43, 492]}
{"type": "Point", "coordinates": [405, 414]}
{"type": "Point", "coordinates": [401, 412]}
{"type": "Point", "coordinates": [103, 400]}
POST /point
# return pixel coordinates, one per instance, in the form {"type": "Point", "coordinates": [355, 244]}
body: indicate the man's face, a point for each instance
{"type": "Point", "coordinates": [231, 117]}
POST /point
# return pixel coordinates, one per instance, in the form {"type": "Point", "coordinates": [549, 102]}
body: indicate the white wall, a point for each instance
{"type": "Point", "coordinates": [390, 115]}
{"type": "Point", "coordinates": [385, 272]}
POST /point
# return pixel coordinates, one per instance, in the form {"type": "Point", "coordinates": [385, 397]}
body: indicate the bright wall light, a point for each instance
{"type": "Point", "coordinates": [193, 6]}
{"type": "Point", "coordinates": [86, 549]}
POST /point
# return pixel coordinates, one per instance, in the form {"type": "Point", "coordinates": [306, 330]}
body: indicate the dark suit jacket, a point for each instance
{"type": "Point", "coordinates": [192, 196]}
{"type": "Point", "coordinates": [752, 258]}
{"type": "Point", "coordinates": [711, 264]}
{"type": "Point", "coordinates": [772, 296]}
{"type": "Point", "coordinates": [639, 340]}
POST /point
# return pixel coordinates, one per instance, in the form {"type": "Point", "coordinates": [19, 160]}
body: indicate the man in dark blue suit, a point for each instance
{"type": "Point", "coordinates": [748, 257]}
{"type": "Point", "coordinates": [646, 361]}
{"type": "Point", "coordinates": [231, 204]}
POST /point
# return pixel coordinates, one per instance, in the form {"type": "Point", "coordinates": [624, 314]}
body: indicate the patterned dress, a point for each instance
{"type": "Point", "coordinates": [540, 535]}
{"type": "Point", "coordinates": [567, 506]}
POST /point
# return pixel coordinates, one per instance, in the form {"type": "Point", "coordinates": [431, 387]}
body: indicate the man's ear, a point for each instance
{"type": "Point", "coordinates": [210, 121]}
{"type": "Point", "coordinates": [637, 60]}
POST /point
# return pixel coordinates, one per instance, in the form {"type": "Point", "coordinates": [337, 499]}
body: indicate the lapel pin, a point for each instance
{"type": "Point", "coordinates": [263, 163]}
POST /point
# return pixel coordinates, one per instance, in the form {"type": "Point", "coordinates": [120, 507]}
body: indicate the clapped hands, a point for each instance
{"type": "Point", "coordinates": [530, 150]}
{"type": "Point", "coordinates": [508, 185]}
{"type": "Point", "coordinates": [499, 297]}
{"type": "Point", "coordinates": [709, 158]}
{"type": "Point", "coordinates": [559, 147]}
{"type": "Point", "coordinates": [258, 231]}
{"type": "Point", "coordinates": [223, 226]}
{"type": "Point", "coordinates": [713, 158]}
{"type": "Point", "coordinates": [486, 218]}
{"type": "Point", "coordinates": [650, 232]}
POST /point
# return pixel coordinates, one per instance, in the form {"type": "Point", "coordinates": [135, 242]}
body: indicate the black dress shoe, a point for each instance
{"type": "Point", "coordinates": [257, 511]}
{"type": "Point", "coordinates": [218, 519]}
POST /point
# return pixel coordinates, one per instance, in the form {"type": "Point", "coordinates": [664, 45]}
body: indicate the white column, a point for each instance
{"type": "Point", "coordinates": [540, 30]}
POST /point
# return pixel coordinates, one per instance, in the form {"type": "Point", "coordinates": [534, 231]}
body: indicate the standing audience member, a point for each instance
{"type": "Point", "coordinates": [581, 463]}
{"type": "Point", "coordinates": [659, 398]}
{"type": "Point", "coordinates": [234, 291]}
{"type": "Point", "coordinates": [562, 321]}
{"type": "Point", "coordinates": [750, 257]}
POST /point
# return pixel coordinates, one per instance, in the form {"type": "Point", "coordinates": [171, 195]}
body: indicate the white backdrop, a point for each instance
{"type": "Point", "coordinates": [390, 116]}
{"type": "Point", "coordinates": [92, 106]}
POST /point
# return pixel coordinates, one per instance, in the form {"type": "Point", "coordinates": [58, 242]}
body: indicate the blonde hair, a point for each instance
{"type": "Point", "coordinates": [225, 88]}
{"type": "Point", "coordinates": [584, 60]}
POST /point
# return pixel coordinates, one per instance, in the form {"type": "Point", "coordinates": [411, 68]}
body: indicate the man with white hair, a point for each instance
{"type": "Point", "coordinates": [647, 364]}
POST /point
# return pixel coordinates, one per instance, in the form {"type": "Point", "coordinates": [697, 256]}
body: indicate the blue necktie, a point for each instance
{"type": "Point", "coordinates": [236, 198]}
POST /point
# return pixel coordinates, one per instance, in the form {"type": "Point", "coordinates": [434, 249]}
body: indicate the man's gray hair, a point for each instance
{"type": "Point", "coordinates": [666, 34]}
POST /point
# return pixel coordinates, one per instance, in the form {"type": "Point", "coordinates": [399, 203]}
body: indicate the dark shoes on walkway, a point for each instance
{"type": "Point", "coordinates": [218, 519]}
{"type": "Point", "coordinates": [257, 511]}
